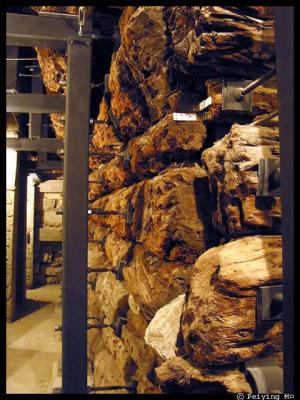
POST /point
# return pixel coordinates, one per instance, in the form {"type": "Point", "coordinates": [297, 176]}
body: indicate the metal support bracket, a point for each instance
{"type": "Point", "coordinates": [236, 96]}
{"type": "Point", "coordinates": [116, 327]}
{"type": "Point", "coordinates": [126, 158]}
{"type": "Point", "coordinates": [128, 214]}
{"type": "Point", "coordinates": [189, 108]}
{"type": "Point", "coordinates": [24, 144]}
{"type": "Point", "coordinates": [124, 154]}
{"type": "Point", "coordinates": [81, 20]}
{"type": "Point", "coordinates": [264, 376]}
{"type": "Point", "coordinates": [132, 387]}
{"type": "Point", "coordinates": [229, 100]}
{"type": "Point", "coordinates": [113, 119]}
{"type": "Point", "coordinates": [47, 31]}
{"type": "Point", "coordinates": [269, 177]}
{"type": "Point", "coordinates": [269, 304]}
{"type": "Point", "coordinates": [97, 211]}
{"type": "Point", "coordinates": [35, 103]}
{"type": "Point", "coordinates": [118, 270]}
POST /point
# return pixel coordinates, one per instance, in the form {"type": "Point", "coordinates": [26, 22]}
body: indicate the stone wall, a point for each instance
{"type": "Point", "coordinates": [49, 200]}
{"type": "Point", "coordinates": [12, 162]}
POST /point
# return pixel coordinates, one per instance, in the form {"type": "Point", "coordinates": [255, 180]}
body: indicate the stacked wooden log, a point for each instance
{"type": "Point", "coordinates": [169, 196]}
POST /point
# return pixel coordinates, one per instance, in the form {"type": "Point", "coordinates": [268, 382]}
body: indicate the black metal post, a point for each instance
{"type": "Point", "coordinates": [75, 231]}
{"type": "Point", "coordinates": [284, 29]}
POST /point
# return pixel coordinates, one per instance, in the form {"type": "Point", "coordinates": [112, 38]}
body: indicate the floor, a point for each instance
{"type": "Point", "coordinates": [33, 347]}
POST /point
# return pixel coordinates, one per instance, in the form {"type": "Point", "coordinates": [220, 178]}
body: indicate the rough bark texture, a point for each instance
{"type": "Point", "coordinates": [149, 153]}
{"type": "Point", "coordinates": [112, 364]}
{"type": "Point", "coordinates": [222, 41]}
{"type": "Point", "coordinates": [176, 375]}
{"type": "Point", "coordinates": [167, 215]}
{"type": "Point", "coordinates": [232, 165]}
{"type": "Point", "coordinates": [154, 282]}
{"type": "Point", "coordinates": [219, 323]}
{"type": "Point", "coordinates": [164, 54]}
{"type": "Point", "coordinates": [141, 353]}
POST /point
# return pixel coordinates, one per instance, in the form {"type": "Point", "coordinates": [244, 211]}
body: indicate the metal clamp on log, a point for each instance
{"type": "Point", "coordinates": [237, 97]}
{"type": "Point", "coordinates": [132, 387]}
{"type": "Point", "coordinates": [99, 182]}
{"type": "Point", "coordinates": [113, 119]}
{"type": "Point", "coordinates": [269, 304]}
{"type": "Point", "coordinates": [116, 327]}
{"type": "Point", "coordinates": [269, 177]}
{"type": "Point", "coordinates": [118, 270]}
{"type": "Point", "coordinates": [81, 20]}
{"type": "Point", "coordinates": [264, 376]}
{"type": "Point", "coordinates": [190, 109]}
{"type": "Point", "coordinates": [128, 214]}
{"type": "Point", "coordinates": [124, 154]}
{"type": "Point", "coordinates": [101, 241]}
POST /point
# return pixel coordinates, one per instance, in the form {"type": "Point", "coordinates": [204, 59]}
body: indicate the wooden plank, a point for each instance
{"type": "Point", "coordinates": [51, 186]}
{"type": "Point", "coordinates": [50, 235]}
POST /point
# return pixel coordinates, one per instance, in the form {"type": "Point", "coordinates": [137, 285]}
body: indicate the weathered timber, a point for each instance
{"type": "Point", "coordinates": [219, 323]}
{"type": "Point", "coordinates": [154, 282]}
{"type": "Point", "coordinates": [142, 354]}
{"type": "Point", "coordinates": [232, 167]}
{"type": "Point", "coordinates": [112, 296]}
{"type": "Point", "coordinates": [214, 41]}
{"type": "Point", "coordinates": [177, 375]}
{"type": "Point", "coordinates": [149, 153]}
{"type": "Point", "coordinates": [127, 105]}
{"type": "Point", "coordinates": [111, 363]}
{"type": "Point", "coordinates": [145, 44]}
{"type": "Point", "coordinates": [171, 213]}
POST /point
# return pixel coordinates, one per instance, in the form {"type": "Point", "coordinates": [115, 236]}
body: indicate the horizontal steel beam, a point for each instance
{"type": "Point", "coordinates": [41, 31]}
{"type": "Point", "coordinates": [42, 166]}
{"type": "Point", "coordinates": [24, 144]}
{"type": "Point", "coordinates": [35, 120]}
{"type": "Point", "coordinates": [35, 103]}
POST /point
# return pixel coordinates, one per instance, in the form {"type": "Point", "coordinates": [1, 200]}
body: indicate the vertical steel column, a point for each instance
{"type": "Point", "coordinates": [284, 28]}
{"type": "Point", "coordinates": [75, 233]}
{"type": "Point", "coordinates": [35, 120]}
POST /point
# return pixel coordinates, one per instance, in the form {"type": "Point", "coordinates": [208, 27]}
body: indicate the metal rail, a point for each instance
{"type": "Point", "coordinates": [35, 103]}
{"type": "Point", "coordinates": [24, 144]}
{"type": "Point", "coordinates": [37, 31]}
{"type": "Point", "coordinates": [241, 92]}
